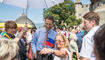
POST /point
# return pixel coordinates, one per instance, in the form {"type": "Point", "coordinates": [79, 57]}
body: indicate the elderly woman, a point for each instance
{"type": "Point", "coordinates": [62, 45]}
{"type": "Point", "coordinates": [9, 47]}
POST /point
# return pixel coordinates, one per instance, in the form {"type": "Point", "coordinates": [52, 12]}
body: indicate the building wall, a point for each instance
{"type": "Point", "coordinates": [81, 10]}
{"type": "Point", "coordinates": [98, 7]}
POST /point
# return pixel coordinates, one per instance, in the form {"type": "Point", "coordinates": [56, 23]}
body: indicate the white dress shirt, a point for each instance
{"type": "Point", "coordinates": [87, 49]}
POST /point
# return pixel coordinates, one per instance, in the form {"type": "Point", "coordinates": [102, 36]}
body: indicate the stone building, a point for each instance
{"type": "Point", "coordinates": [97, 6]}
{"type": "Point", "coordinates": [81, 9]}
{"type": "Point", "coordinates": [24, 20]}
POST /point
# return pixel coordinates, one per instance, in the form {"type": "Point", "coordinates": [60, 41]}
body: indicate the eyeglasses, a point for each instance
{"type": "Point", "coordinates": [59, 41]}
{"type": "Point", "coordinates": [49, 24]}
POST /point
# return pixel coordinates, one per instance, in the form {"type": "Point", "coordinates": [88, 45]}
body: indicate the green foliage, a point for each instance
{"type": "Point", "coordinates": [64, 14]}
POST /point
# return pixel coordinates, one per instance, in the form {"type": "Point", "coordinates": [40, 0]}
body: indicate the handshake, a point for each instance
{"type": "Point", "coordinates": [47, 51]}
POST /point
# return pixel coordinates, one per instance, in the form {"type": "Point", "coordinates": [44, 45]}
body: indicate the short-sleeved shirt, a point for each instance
{"type": "Point", "coordinates": [87, 49]}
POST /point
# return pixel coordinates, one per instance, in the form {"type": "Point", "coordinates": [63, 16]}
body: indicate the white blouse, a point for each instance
{"type": "Point", "coordinates": [59, 58]}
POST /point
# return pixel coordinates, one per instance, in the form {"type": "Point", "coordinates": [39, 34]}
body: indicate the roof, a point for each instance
{"type": "Point", "coordinates": [23, 19]}
{"type": "Point", "coordinates": [2, 25]}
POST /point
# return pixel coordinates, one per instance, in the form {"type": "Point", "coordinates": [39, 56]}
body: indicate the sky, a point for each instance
{"type": "Point", "coordinates": [9, 12]}
{"type": "Point", "coordinates": [83, 1]}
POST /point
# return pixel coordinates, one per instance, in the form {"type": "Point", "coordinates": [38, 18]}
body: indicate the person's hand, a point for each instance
{"type": "Point", "coordinates": [50, 51]}
{"type": "Point", "coordinates": [27, 54]}
{"type": "Point", "coordinates": [35, 56]}
{"type": "Point", "coordinates": [44, 51]}
{"type": "Point", "coordinates": [25, 29]}
{"type": "Point", "coordinates": [20, 34]}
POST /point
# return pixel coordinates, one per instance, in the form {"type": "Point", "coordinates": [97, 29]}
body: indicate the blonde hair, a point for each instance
{"type": "Point", "coordinates": [8, 49]}
{"type": "Point", "coordinates": [66, 45]}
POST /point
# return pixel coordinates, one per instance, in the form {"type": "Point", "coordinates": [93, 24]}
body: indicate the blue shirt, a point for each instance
{"type": "Point", "coordinates": [79, 36]}
{"type": "Point", "coordinates": [38, 39]}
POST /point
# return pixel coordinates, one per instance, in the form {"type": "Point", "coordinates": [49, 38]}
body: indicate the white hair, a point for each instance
{"type": "Point", "coordinates": [8, 49]}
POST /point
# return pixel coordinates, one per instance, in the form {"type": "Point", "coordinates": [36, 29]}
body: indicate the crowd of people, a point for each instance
{"type": "Point", "coordinates": [47, 43]}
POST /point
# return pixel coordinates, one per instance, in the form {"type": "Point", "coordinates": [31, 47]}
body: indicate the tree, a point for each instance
{"type": "Point", "coordinates": [64, 14]}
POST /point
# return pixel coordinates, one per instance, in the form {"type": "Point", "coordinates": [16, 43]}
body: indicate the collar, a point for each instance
{"type": "Point", "coordinates": [48, 31]}
{"type": "Point", "coordinates": [10, 35]}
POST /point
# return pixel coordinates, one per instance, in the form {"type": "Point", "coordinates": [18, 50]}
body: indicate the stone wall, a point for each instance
{"type": "Point", "coordinates": [98, 7]}
{"type": "Point", "coordinates": [81, 10]}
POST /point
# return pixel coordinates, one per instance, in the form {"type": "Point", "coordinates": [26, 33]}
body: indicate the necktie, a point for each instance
{"type": "Point", "coordinates": [45, 40]}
